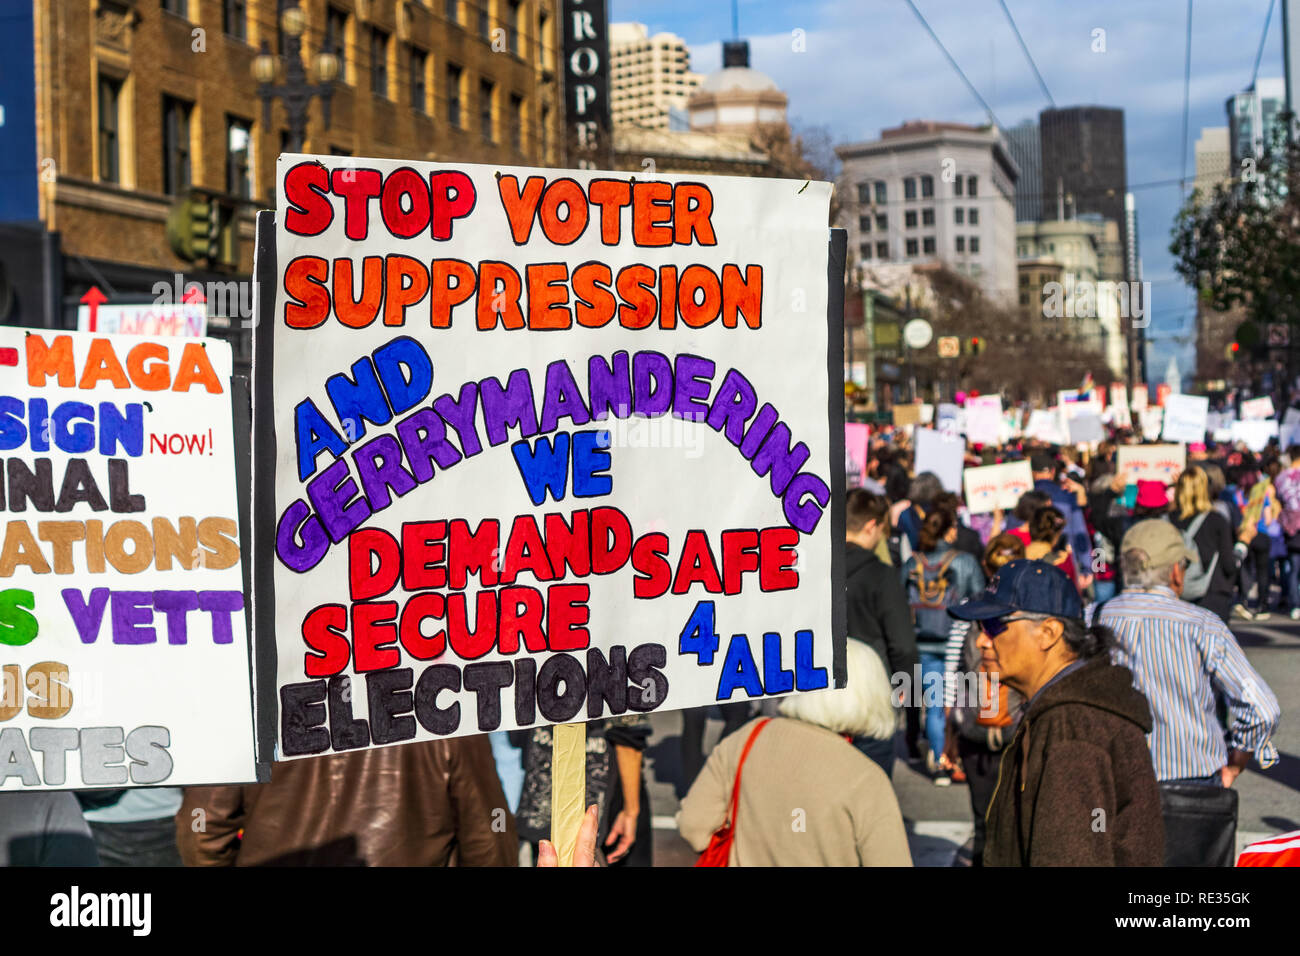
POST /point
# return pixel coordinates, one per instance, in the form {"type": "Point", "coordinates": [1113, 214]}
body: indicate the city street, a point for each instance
{"type": "Point", "coordinates": [938, 818]}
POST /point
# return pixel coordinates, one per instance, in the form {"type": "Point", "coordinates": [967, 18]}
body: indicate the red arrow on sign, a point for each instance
{"type": "Point", "coordinates": [94, 299]}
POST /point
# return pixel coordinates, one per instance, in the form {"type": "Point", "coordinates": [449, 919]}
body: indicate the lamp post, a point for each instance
{"type": "Point", "coordinates": [296, 91]}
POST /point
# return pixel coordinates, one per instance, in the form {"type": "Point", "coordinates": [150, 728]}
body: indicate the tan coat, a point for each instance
{"type": "Point", "coordinates": [808, 797]}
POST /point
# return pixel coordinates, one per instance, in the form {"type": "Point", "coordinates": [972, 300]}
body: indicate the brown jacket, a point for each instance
{"type": "Point", "coordinates": [1075, 785]}
{"type": "Point", "coordinates": [432, 803]}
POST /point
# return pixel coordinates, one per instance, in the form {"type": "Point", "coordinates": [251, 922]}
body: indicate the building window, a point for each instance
{"type": "Point", "coordinates": [484, 20]}
{"type": "Point", "coordinates": [974, 217]}
{"type": "Point", "coordinates": [959, 216]}
{"type": "Point", "coordinates": [176, 145]}
{"type": "Point", "coordinates": [239, 144]}
{"type": "Point", "coordinates": [336, 26]}
{"type": "Point", "coordinates": [452, 10]}
{"type": "Point", "coordinates": [864, 224]}
{"type": "Point", "coordinates": [882, 250]}
{"type": "Point", "coordinates": [927, 245]}
{"type": "Point", "coordinates": [864, 193]}
{"type": "Point", "coordinates": [909, 219]}
{"type": "Point", "coordinates": [542, 56]}
{"type": "Point", "coordinates": [514, 28]}
{"type": "Point", "coordinates": [909, 188]}
{"type": "Point", "coordinates": [911, 247]}
{"type": "Point", "coordinates": [864, 250]}
{"type": "Point", "coordinates": [546, 134]}
{"type": "Point", "coordinates": [880, 192]}
{"type": "Point", "coordinates": [961, 243]}
{"type": "Point", "coordinates": [453, 94]}
{"type": "Point", "coordinates": [956, 186]}
{"type": "Point", "coordinates": [974, 244]}
{"type": "Point", "coordinates": [517, 122]}
{"type": "Point", "coordinates": [970, 185]}
{"type": "Point", "coordinates": [927, 217]}
{"type": "Point", "coordinates": [178, 7]}
{"type": "Point", "coordinates": [419, 63]}
{"type": "Point", "coordinates": [379, 63]}
{"type": "Point", "coordinates": [882, 222]}
{"type": "Point", "coordinates": [234, 18]}
{"type": "Point", "coordinates": [486, 90]}
{"type": "Point", "coordinates": [927, 187]}
{"type": "Point", "coordinates": [110, 117]}
{"type": "Point", "coordinates": [1024, 299]}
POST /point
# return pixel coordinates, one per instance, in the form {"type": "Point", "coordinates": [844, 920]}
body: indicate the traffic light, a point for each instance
{"type": "Point", "coordinates": [1233, 349]}
{"type": "Point", "coordinates": [192, 228]}
{"type": "Point", "coordinates": [976, 345]}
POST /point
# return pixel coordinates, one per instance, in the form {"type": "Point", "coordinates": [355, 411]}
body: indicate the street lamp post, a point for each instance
{"type": "Point", "coordinates": [296, 92]}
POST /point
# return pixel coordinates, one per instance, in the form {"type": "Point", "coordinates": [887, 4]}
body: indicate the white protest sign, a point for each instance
{"type": "Point", "coordinates": [941, 453]}
{"type": "Point", "coordinates": [1150, 462]}
{"type": "Point", "coordinates": [122, 609]}
{"type": "Point", "coordinates": [1257, 409]}
{"type": "Point", "coordinates": [1086, 427]}
{"type": "Point", "coordinates": [1140, 398]}
{"type": "Point", "coordinates": [539, 483]}
{"type": "Point", "coordinates": [984, 419]}
{"type": "Point", "coordinates": [996, 486]}
{"type": "Point", "coordinates": [927, 413]}
{"type": "Point", "coordinates": [1046, 425]}
{"type": "Point", "coordinates": [1119, 406]}
{"type": "Point", "coordinates": [1254, 432]}
{"type": "Point", "coordinates": [1151, 418]}
{"type": "Point", "coordinates": [184, 319]}
{"type": "Point", "coordinates": [1185, 418]}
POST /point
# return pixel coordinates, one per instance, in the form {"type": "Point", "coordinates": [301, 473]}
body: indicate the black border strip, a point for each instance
{"type": "Point", "coordinates": [835, 263]}
{"type": "Point", "coordinates": [262, 483]}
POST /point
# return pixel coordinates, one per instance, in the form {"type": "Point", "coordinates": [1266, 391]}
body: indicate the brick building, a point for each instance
{"type": "Point", "coordinates": [140, 101]}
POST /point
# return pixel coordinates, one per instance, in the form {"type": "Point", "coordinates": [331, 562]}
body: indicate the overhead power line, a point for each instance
{"type": "Point", "coordinates": [1187, 90]}
{"type": "Point", "coordinates": [969, 85]}
{"type": "Point", "coordinates": [1032, 65]}
{"type": "Point", "coordinates": [1259, 55]}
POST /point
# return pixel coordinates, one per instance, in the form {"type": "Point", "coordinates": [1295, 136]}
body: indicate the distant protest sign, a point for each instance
{"type": "Point", "coordinates": [996, 486]}
{"type": "Point", "coordinates": [184, 319]}
{"type": "Point", "coordinates": [984, 419]}
{"type": "Point", "coordinates": [943, 454]}
{"type": "Point", "coordinates": [1255, 433]}
{"type": "Point", "coordinates": [1185, 418]}
{"type": "Point", "coordinates": [543, 446]}
{"type": "Point", "coordinates": [857, 437]}
{"type": "Point", "coordinates": [1257, 409]}
{"type": "Point", "coordinates": [124, 647]}
{"type": "Point", "coordinates": [1150, 462]}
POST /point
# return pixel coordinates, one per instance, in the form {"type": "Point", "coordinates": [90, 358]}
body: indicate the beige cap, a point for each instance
{"type": "Point", "coordinates": [1162, 542]}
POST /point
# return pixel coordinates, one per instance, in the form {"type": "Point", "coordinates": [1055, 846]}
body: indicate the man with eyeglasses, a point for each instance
{"type": "Point", "coordinates": [1075, 785]}
{"type": "Point", "coordinates": [1186, 661]}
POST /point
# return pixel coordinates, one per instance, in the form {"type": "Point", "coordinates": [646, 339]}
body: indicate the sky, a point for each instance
{"type": "Point", "coordinates": [870, 64]}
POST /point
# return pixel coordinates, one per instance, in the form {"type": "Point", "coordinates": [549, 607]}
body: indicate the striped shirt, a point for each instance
{"type": "Point", "coordinates": [1181, 655]}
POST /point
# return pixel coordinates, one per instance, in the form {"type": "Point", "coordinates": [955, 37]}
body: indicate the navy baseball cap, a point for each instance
{"type": "Point", "coordinates": [1023, 585]}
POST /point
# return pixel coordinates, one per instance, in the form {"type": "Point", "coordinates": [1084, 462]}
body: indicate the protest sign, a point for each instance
{"type": "Point", "coordinates": [122, 606]}
{"type": "Point", "coordinates": [1186, 418]}
{"type": "Point", "coordinates": [1151, 418]}
{"type": "Point", "coordinates": [542, 446]}
{"type": "Point", "coordinates": [927, 413]}
{"type": "Point", "coordinates": [1257, 409]}
{"type": "Point", "coordinates": [996, 486]}
{"type": "Point", "coordinates": [909, 414]}
{"type": "Point", "coordinates": [1119, 410]}
{"type": "Point", "coordinates": [1045, 425]}
{"type": "Point", "coordinates": [1255, 432]}
{"type": "Point", "coordinates": [856, 442]}
{"type": "Point", "coordinates": [1150, 462]}
{"type": "Point", "coordinates": [148, 318]}
{"type": "Point", "coordinates": [1085, 427]}
{"type": "Point", "coordinates": [942, 453]}
{"type": "Point", "coordinates": [984, 419]}
{"type": "Point", "coordinates": [1140, 398]}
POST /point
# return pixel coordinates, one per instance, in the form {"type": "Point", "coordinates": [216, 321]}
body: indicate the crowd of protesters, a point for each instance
{"type": "Point", "coordinates": [1068, 660]}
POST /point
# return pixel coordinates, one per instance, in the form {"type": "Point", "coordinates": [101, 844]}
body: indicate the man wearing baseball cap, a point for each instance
{"type": "Point", "coordinates": [1075, 785]}
{"type": "Point", "coordinates": [1182, 658]}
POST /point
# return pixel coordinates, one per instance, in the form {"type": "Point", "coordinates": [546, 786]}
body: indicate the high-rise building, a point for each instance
{"type": "Point", "coordinates": [1213, 160]}
{"type": "Point", "coordinates": [1026, 146]}
{"type": "Point", "coordinates": [650, 76]}
{"type": "Point", "coordinates": [1253, 114]}
{"type": "Point", "coordinates": [1084, 167]}
{"type": "Point", "coordinates": [935, 192]}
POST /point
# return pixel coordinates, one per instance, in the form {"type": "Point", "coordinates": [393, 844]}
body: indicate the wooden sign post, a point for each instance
{"type": "Point", "coordinates": [568, 787]}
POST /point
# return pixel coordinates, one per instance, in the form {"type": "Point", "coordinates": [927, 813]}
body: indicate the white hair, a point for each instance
{"type": "Point", "coordinates": [863, 708]}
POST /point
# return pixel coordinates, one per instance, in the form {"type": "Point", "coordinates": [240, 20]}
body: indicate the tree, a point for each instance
{"type": "Point", "coordinates": [1239, 245]}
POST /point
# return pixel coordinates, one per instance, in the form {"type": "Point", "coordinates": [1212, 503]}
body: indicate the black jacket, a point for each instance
{"type": "Point", "coordinates": [1075, 785]}
{"type": "Point", "coordinates": [877, 610]}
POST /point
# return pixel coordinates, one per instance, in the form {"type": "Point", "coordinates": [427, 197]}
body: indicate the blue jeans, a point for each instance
{"type": "Point", "coordinates": [1293, 578]}
{"type": "Point", "coordinates": [510, 767]}
{"type": "Point", "coordinates": [932, 677]}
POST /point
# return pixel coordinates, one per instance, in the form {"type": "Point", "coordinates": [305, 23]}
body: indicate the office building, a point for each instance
{"type": "Point", "coordinates": [650, 76]}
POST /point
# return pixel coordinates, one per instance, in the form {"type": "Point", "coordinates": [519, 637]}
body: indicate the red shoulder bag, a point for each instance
{"type": "Point", "coordinates": [718, 852]}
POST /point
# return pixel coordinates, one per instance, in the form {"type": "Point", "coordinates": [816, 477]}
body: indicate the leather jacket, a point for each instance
{"type": "Point", "coordinates": [431, 803]}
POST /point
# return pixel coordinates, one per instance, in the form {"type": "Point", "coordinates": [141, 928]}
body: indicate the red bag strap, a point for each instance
{"type": "Point", "coordinates": [735, 789]}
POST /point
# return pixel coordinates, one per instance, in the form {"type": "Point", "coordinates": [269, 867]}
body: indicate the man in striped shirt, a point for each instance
{"type": "Point", "coordinates": [1182, 656]}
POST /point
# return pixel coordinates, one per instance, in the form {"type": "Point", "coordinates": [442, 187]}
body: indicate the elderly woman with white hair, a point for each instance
{"type": "Point", "coordinates": [807, 796]}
